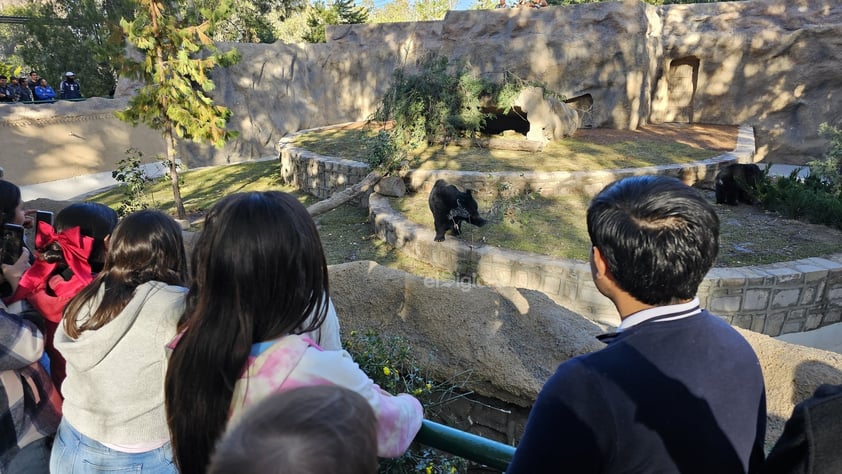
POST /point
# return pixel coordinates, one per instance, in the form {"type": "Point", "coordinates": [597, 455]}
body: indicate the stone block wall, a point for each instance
{"type": "Point", "coordinates": [316, 174]}
{"type": "Point", "coordinates": [770, 299]}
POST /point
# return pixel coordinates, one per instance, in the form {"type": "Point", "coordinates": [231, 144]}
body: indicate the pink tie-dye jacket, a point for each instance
{"type": "Point", "coordinates": [296, 361]}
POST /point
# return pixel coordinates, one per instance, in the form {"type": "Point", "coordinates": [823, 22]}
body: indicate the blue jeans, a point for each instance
{"type": "Point", "coordinates": [74, 452]}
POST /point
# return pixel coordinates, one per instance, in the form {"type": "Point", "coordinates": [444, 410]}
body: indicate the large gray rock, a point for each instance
{"type": "Point", "coordinates": [549, 118]}
{"type": "Point", "coordinates": [512, 340]}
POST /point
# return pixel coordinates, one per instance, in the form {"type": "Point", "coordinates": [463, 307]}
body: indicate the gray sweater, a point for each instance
{"type": "Point", "coordinates": [114, 390]}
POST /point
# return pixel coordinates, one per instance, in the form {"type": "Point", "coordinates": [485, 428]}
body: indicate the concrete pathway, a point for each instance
{"type": "Point", "coordinates": [80, 187]}
{"type": "Point", "coordinates": [828, 338]}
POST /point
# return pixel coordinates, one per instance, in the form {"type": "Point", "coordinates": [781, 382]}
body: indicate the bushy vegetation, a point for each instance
{"type": "Point", "coordinates": [443, 101]}
{"type": "Point", "coordinates": [389, 362]}
{"type": "Point", "coordinates": [816, 198]}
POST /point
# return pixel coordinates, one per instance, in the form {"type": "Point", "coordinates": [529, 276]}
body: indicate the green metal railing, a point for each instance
{"type": "Point", "coordinates": [465, 445]}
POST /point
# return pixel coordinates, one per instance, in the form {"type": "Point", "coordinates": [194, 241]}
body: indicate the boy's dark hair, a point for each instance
{"type": "Point", "coordinates": [659, 237]}
{"type": "Point", "coordinates": [322, 429]}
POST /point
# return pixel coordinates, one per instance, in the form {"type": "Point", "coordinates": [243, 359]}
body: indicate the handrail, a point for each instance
{"type": "Point", "coordinates": [466, 445]}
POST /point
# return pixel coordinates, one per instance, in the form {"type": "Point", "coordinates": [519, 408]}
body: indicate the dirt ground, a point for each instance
{"type": "Point", "coordinates": [705, 136]}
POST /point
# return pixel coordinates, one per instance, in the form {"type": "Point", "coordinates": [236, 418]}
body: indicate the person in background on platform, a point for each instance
{"type": "Point", "coordinates": [44, 92]}
{"type": "Point", "coordinates": [23, 93]}
{"type": "Point", "coordinates": [32, 82]}
{"type": "Point", "coordinates": [6, 92]}
{"type": "Point", "coordinates": [69, 87]}
{"type": "Point", "coordinates": [676, 389]}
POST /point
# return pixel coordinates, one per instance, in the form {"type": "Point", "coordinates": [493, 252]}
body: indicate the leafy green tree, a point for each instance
{"type": "Point", "coordinates": [341, 12]}
{"type": "Point", "coordinates": [82, 36]}
{"type": "Point", "coordinates": [426, 10]}
{"type": "Point", "coordinates": [175, 65]}
{"type": "Point", "coordinates": [411, 10]}
{"type": "Point", "coordinates": [247, 21]}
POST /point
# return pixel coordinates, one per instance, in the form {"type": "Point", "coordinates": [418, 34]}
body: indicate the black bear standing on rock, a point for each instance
{"type": "Point", "coordinates": [451, 208]}
{"type": "Point", "coordinates": [737, 182]}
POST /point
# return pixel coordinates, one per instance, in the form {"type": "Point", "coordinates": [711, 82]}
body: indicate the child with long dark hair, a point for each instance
{"type": "Point", "coordinates": [259, 276]}
{"type": "Point", "coordinates": [113, 336]}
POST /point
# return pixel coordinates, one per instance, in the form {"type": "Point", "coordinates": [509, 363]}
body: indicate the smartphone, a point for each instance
{"type": "Point", "coordinates": [43, 216]}
{"type": "Point", "coordinates": [12, 243]}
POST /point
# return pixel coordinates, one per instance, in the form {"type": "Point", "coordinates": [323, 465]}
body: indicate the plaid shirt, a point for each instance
{"type": "Point", "coordinates": [30, 407]}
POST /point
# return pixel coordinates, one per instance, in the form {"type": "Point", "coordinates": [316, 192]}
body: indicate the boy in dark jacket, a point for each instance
{"type": "Point", "coordinates": [676, 389]}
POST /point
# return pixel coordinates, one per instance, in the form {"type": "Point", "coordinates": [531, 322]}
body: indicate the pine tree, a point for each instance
{"type": "Point", "coordinates": [174, 68]}
{"type": "Point", "coordinates": [341, 12]}
{"type": "Point", "coordinates": [350, 14]}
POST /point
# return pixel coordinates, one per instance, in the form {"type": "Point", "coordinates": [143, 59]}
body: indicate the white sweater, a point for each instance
{"type": "Point", "coordinates": [114, 390]}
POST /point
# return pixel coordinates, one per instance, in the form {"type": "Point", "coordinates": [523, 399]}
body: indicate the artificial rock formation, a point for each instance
{"type": "Point", "coordinates": [770, 64]}
{"type": "Point", "coordinates": [512, 340]}
{"type": "Point", "coordinates": [549, 118]}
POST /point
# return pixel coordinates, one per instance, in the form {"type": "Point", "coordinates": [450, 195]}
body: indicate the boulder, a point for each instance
{"type": "Point", "coordinates": [549, 118]}
{"type": "Point", "coordinates": [392, 186]}
{"type": "Point", "coordinates": [511, 340]}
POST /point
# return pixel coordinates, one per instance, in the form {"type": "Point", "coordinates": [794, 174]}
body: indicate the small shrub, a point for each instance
{"type": "Point", "coordinates": [383, 152]}
{"type": "Point", "coordinates": [816, 198]}
{"type": "Point", "coordinates": [134, 181]}
{"type": "Point", "coordinates": [390, 364]}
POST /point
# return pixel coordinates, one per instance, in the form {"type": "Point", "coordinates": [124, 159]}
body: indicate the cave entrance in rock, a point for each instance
{"type": "Point", "coordinates": [515, 120]}
{"type": "Point", "coordinates": [583, 105]}
{"type": "Point", "coordinates": [682, 80]}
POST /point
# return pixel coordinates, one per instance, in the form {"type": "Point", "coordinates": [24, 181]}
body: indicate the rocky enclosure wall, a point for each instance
{"type": "Point", "coordinates": [772, 65]}
{"type": "Point", "coordinates": [769, 64]}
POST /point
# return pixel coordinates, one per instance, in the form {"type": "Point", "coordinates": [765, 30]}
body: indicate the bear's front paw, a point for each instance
{"type": "Point", "coordinates": [439, 239]}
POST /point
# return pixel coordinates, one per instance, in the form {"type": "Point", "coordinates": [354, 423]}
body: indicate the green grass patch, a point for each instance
{"type": "Point", "coordinates": [570, 154]}
{"type": "Point", "coordinates": [201, 188]}
{"type": "Point", "coordinates": [557, 227]}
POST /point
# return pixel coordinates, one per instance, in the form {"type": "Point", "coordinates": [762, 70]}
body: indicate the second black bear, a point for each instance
{"type": "Point", "coordinates": [737, 183]}
{"type": "Point", "coordinates": [451, 207]}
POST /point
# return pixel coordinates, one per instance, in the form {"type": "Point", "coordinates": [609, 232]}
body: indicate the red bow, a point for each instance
{"type": "Point", "coordinates": [76, 249]}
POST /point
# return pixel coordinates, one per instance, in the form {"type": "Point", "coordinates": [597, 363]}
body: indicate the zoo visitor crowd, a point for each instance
{"type": "Point", "coordinates": [34, 88]}
{"type": "Point", "coordinates": [120, 352]}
